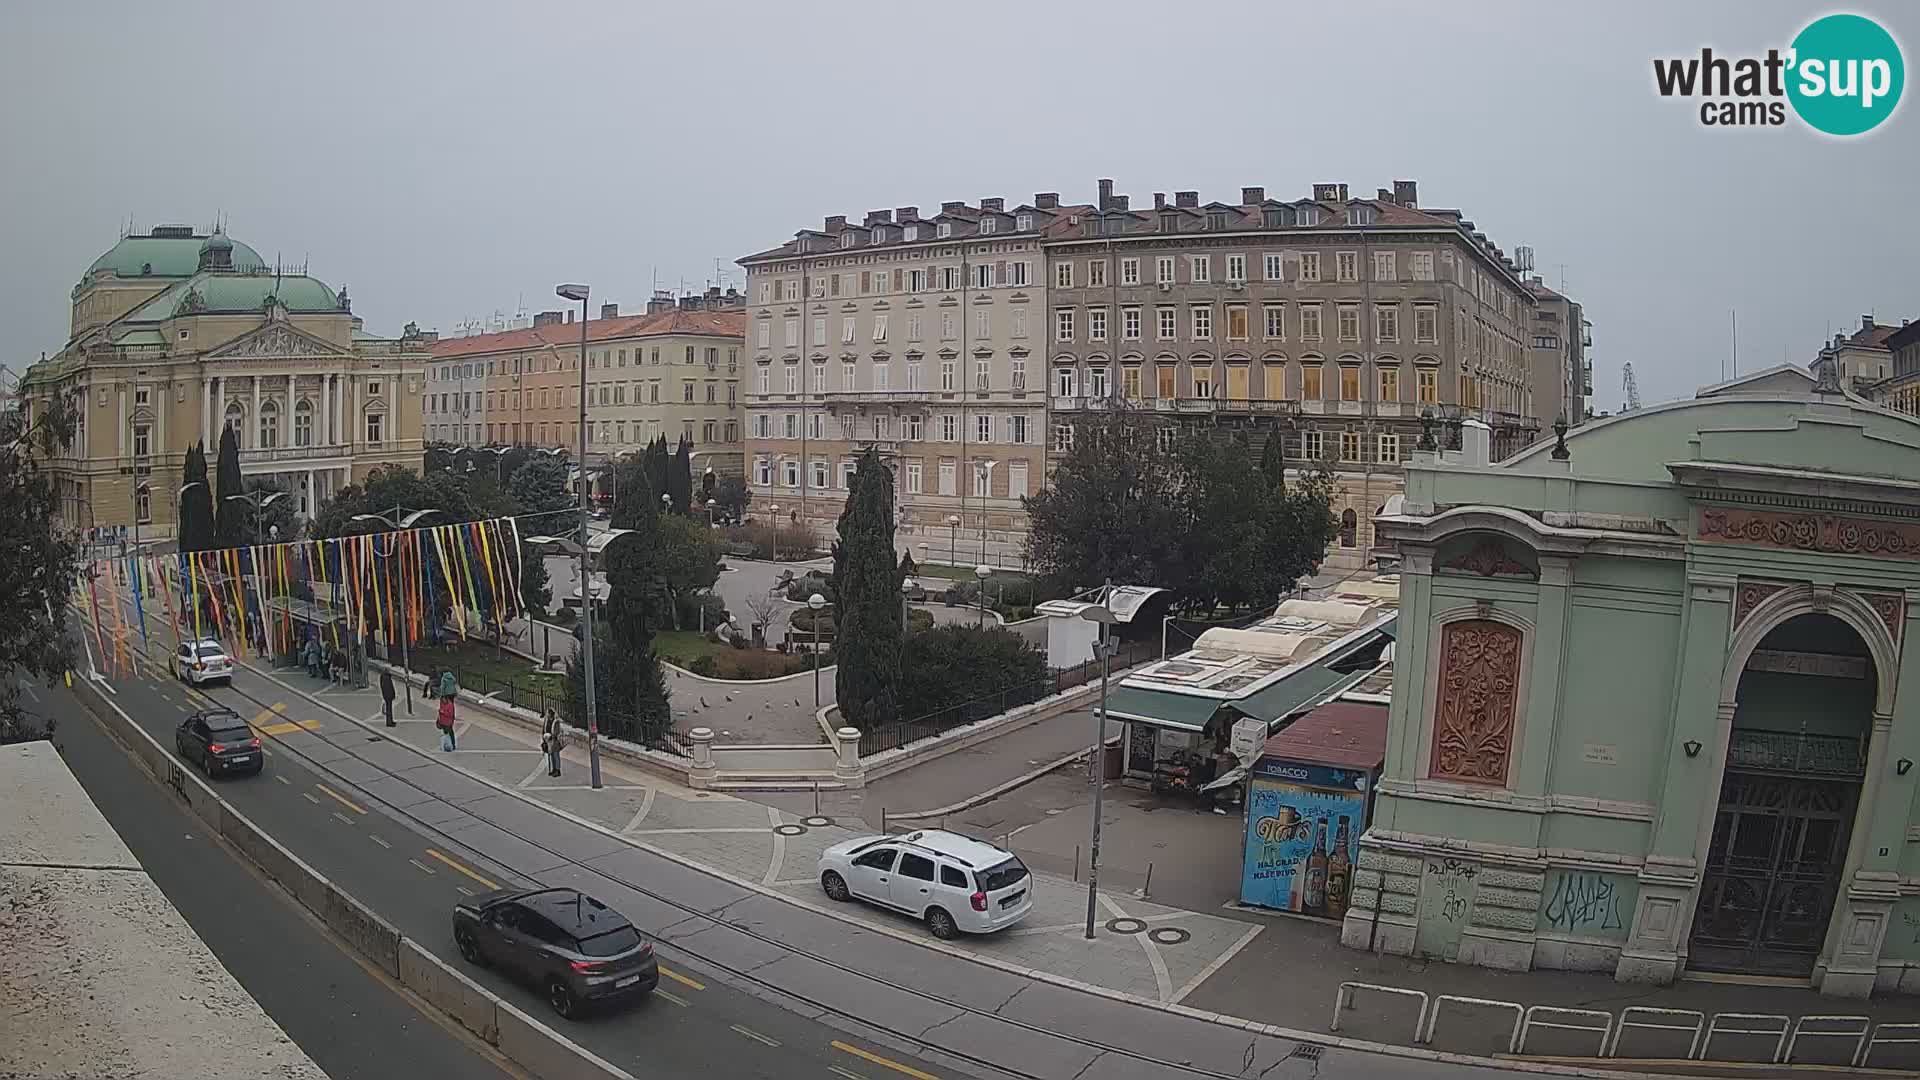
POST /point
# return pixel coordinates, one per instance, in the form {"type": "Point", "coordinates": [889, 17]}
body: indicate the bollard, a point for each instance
{"type": "Point", "coordinates": [1076, 862]}
{"type": "Point", "coordinates": [816, 798]}
{"type": "Point", "coordinates": [883, 821]}
{"type": "Point", "coordinates": [1146, 889]}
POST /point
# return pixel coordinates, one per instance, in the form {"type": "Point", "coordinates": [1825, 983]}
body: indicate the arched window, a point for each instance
{"type": "Point", "coordinates": [303, 424]}
{"type": "Point", "coordinates": [269, 425]}
{"type": "Point", "coordinates": [236, 421]}
{"type": "Point", "coordinates": [1349, 527]}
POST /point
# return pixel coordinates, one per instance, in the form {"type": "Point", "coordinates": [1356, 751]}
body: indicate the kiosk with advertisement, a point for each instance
{"type": "Point", "coordinates": [1308, 799]}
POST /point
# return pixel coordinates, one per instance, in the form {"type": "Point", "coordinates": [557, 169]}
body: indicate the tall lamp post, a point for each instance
{"type": "Point", "coordinates": [712, 505]}
{"type": "Point", "coordinates": [400, 519]}
{"type": "Point", "coordinates": [773, 517]}
{"type": "Point", "coordinates": [953, 539]}
{"type": "Point", "coordinates": [579, 294]}
{"type": "Point", "coordinates": [983, 571]}
{"type": "Point", "coordinates": [986, 488]}
{"type": "Point", "coordinates": [259, 500]}
{"type": "Point", "coordinates": [816, 603]}
{"type": "Point", "coordinates": [1102, 614]}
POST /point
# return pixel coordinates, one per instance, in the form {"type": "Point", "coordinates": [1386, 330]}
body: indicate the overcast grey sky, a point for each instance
{"type": "Point", "coordinates": [445, 160]}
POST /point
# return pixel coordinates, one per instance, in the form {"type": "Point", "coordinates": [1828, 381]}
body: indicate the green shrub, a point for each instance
{"type": "Point", "coordinates": [949, 665]}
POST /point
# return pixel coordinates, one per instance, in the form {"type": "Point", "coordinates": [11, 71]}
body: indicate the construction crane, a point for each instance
{"type": "Point", "coordinates": [1629, 385]}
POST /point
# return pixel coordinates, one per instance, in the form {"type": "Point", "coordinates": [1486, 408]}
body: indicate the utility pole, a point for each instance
{"type": "Point", "coordinates": [579, 293]}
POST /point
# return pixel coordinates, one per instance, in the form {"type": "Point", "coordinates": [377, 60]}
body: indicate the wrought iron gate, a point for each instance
{"type": "Point", "coordinates": [1778, 849]}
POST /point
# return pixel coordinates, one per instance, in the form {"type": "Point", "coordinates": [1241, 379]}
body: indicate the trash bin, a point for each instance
{"type": "Point", "coordinates": [1112, 762]}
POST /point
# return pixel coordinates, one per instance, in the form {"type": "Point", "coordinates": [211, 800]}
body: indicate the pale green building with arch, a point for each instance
{"type": "Point", "coordinates": [1649, 712]}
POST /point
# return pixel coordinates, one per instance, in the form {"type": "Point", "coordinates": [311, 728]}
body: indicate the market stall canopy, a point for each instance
{"type": "Point", "coordinates": [1339, 734]}
{"type": "Point", "coordinates": [1125, 601]}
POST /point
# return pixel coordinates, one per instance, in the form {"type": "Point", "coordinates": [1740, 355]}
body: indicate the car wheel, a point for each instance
{"type": "Point", "coordinates": [942, 924]}
{"type": "Point", "coordinates": [836, 887]}
{"type": "Point", "coordinates": [561, 998]}
{"type": "Point", "coordinates": [469, 947]}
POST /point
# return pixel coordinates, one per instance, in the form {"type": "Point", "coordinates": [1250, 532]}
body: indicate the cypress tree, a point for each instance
{"type": "Point", "coordinates": [1273, 457]}
{"type": "Point", "coordinates": [680, 476]}
{"type": "Point", "coordinates": [196, 502]}
{"type": "Point", "coordinates": [866, 585]}
{"type": "Point", "coordinates": [232, 518]}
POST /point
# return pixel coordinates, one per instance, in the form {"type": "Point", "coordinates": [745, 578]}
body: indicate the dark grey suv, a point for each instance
{"type": "Point", "coordinates": [572, 948]}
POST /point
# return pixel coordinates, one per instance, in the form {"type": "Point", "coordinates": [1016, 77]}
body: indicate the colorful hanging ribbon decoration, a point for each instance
{"type": "Point", "coordinates": [134, 574]}
{"type": "Point", "coordinates": [453, 592]}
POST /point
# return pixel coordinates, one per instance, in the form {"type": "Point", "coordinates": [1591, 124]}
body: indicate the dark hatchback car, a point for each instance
{"type": "Point", "coordinates": [219, 742]}
{"type": "Point", "coordinates": [572, 948]}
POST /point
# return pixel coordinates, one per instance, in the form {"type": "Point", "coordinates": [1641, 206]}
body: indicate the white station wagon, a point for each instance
{"type": "Point", "coordinates": [957, 884]}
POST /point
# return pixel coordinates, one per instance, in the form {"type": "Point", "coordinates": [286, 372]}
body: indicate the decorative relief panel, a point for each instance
{"type": "Point", "coordinates": [1749, 596]}
{"type": "Point", "coordinates": [1892, 609]}
{"type": "Point", "coordinates": [1489, 558]}
{"type": "Point", "coordinates": [1478, 698]}
{"type": "Point", "coordinates": [1811, 532]}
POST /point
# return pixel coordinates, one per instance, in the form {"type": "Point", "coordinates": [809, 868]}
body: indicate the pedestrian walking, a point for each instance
{"type": "Point", "coordinates": [449, 689]}
{"type": "Point", "coordinates": [552, 740]}
{"type": "Point", "coordinates": [445, 723]}
{"type": "Point", "coordinates": [313, 658]}
{"type": "Point", "coordinates": [386, 695]}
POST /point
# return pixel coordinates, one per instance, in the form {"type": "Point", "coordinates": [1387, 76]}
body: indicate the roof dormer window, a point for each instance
{"type": "Point", "coordinates": [943, 230]}
{"type": "Point", "coordinates": [1360, 215]}
{"type": "Point", "coordinates": [879, 236]}
{"type": "Point", "coordinates": [1023, 222]}
{"type": "Point", "coordinates": [1216, 219]}
{"type": "Point", "coordinates": [1169, 222]}
{"type": "Point", "coordinates": [1309, 215]}
{"type": "Point", "coordinates": [988, 224]}
{"type": "Point", "coordinates": [846, 239]}
{"type": "Point", "coordinates": [910, 233]}
{"type": "Point", "coordinates": [1275, 217]}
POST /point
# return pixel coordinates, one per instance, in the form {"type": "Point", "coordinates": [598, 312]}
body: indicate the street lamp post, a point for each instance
{"type": "Point", "coordinates": [773, 518]}
{"type": "Point", "coordinates": [579, 293]}
{"type": "Point", "coordinates": [953, 539]}
{"type": "Point", "coordinates": [986, 488]}
{"type": "Point", "coordinates": [815, 603]}
{"type": "Point", "coordinates": [712, 505]}
{"type": "Point", "coordinates": [1103, 615]}
{"type": "Point", "coordinates": [982, 571]}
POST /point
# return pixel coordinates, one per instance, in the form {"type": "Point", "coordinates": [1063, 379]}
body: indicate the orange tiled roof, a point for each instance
{"type": "Point", "coordinates": [567, 335]}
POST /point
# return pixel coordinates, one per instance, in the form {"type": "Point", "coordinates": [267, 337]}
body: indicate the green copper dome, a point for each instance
{"type": "Point", "coordinates": [237, 293]}
{"type": "Point", "coordinates": [169, 251]}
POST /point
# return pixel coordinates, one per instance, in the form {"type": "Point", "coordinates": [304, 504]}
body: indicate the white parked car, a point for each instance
{"type": "Point", "coordinates": [958, 885]}
{"type": "Point", "coordinates": [197, 662]}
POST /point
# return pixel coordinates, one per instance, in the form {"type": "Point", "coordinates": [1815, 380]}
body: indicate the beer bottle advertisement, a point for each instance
{"type": "Point", "coordinates": [1281, 822]}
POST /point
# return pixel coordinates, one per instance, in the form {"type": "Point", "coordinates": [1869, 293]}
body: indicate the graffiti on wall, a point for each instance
{"type": "Point", "coordinates": [1588, 903]}
{"type": "Point", "coordinates": [1447, 889]}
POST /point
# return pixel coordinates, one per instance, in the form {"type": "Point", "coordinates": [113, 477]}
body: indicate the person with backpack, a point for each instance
{"type": "Point", "coordinates": [445, 723]}
{"type": "Point", "coordinates": [552, 740]}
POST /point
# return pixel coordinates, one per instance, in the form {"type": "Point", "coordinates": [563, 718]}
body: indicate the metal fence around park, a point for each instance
{"type": "Point", "coordinates": [1058, 681]}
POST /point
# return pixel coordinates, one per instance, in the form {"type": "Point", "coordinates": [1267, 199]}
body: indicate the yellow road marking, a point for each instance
{"type": "Point", "coordinates": [886, 1062]}
{"type": "Point", "coordinates": [692, 984]}
{"type": "Point", "coordinates": [671, 996]}
{"type": "Point", "coordinates": [288, 727]}
{"type": "Point", "coordinates": [422, 866]}
{"type": "Point", "coordinates": [339, 798]}
{"type": "Point", "coordinates": [754, 1035]}
{"type": "Point", "coordinates": [270, 712]}
{"type": "Point", "coordinates": [462, 868]}
{"type": "Point", "coordinates": [199, 698]}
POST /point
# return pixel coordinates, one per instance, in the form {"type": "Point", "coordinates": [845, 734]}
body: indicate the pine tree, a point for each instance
{"type": "Point", "coordinates": [867, 597]}
{"type": "Point", "coordinates": [196, 502]}
{"type": "Point", "coordinates": [232, 526]}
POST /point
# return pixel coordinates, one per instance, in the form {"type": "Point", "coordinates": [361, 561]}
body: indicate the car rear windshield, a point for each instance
{"type": "Point", "coordinates": [998, 877]}
{"type": "Point", "coordinates": [232, 735]}
{"type": "Point", "coordinates": [611, 943]}
{"type": "Point", "coordinates": [209, 651]}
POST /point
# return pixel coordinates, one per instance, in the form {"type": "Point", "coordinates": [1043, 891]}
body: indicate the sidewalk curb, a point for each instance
{"type": "Point", "coordinates": [1221, 1019]}
{"type": "Point", "coordinates": [993, 793]}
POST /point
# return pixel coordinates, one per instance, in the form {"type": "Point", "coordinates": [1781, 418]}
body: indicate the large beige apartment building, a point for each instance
{"type": "Point", "coordinates": [178, 334]}
{"type": "Point", "coordinates": [674, 372]}
{"type": "Point", "coordinates": [1331, 321]}
{"type": "Point", "coordinates": [1562, 371]}
{"type": "Point", "coordinates": [921, 335]}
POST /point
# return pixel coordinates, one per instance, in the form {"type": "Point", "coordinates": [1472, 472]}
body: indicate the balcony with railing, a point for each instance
{"type": "Point", "coordinates": [262, 455]}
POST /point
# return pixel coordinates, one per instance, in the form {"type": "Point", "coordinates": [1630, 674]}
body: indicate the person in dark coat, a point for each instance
{"type": "Point", "coordinates": [386, 695]}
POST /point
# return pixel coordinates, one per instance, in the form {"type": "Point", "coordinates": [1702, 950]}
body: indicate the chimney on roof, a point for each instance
{"type": "Point", "coordinates": [1383, 194]}
{"type": "Point", "coordinates": [1159, 200]}
{"type": "Point", "coordinates": [906, 214]}
{"type": "Point", "coordinates": [1343, 193]}
{"type": "Point", "coordinates": [1406, 193]}
{"type": "Point", "coordinates": [569, 316]}
{"type": "Point", "coordinates": [662, 301]}
{"type": "Point", "coordinates": [997, 205]}
{"type": "Point", "coordinates": [1120, 201]}
{"type": "Point", "coordinates": [609, 311]}
{"type": "Point", "coordinates": [836, 221]}
{"type": "Point", "coordinates": [1866, 322]}
{"type": "Point", "coordinates": [1046, 200]}
{"type": "Point", "coordinates": [1106, 194]}
{"type": "Point", "coordinates": [547, 318]}
{"type": "Point", "coordinates": [1188, 199]}
{"type": "Point", "coordinates": [950, 207]}
{"type": "Point", "coordinates": [1326, 192]}
{"type": "Point", "coordinates": [1250, 196]}
{"type": "Point", "coordinates": [876, 217]}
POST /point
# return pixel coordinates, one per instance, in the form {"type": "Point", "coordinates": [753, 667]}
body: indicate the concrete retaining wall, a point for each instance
{"type": "Point", "coordinates": [529, 1043]}
{"type": "Point", "coordinates": [888, 762]}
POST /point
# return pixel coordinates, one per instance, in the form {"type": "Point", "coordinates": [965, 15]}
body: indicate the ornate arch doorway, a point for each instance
{"type": "Point", "coordinates": [1796, 757]}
